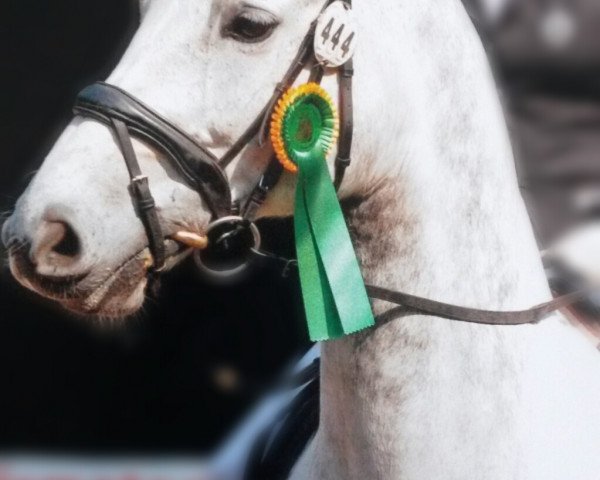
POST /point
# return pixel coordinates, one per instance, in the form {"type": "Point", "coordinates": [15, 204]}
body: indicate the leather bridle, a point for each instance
{"type": "Point", "coordinates": [204, 172]}
{"type": "Point", "coordinates": [200, 168]}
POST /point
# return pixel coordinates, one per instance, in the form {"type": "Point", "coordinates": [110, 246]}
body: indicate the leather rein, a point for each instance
{"type": "Point", "coordinates": [233, 218]}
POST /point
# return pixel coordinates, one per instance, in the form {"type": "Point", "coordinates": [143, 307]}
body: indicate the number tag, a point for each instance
{"type": "Point", "coordinates": [335, 35]}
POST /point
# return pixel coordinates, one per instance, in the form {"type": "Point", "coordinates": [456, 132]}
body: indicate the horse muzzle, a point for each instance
{"type": "Point", "coordinates": [50, 260]}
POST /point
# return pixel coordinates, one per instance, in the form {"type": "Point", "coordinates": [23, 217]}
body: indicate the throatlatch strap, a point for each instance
{"type": "Point", "coordinates": [140, 190]}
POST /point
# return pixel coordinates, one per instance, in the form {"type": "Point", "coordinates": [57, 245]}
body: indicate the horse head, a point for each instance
{"type": "Point", "coordinates": [208, 67]}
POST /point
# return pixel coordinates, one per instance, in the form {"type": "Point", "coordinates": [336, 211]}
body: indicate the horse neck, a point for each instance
{"type": "Point", "coordinates": [443, 218]}
{"type": "Point", "coordinates": [432, 197]}
{"type": "Point", "coordinates": [387, 392]}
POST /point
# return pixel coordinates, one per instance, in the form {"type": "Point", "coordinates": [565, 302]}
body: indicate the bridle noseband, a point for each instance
{"type": "Point", "coordinates": [232, 219]}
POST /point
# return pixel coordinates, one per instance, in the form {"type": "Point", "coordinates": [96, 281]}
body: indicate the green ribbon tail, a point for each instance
{"type": "Point", "coordinates": [333, 290]}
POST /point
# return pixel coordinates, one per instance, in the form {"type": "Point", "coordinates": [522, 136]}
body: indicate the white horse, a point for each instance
{"type": "Point", "coordinates": [434, 210]}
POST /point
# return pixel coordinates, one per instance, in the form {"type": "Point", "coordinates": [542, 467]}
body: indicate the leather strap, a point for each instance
{"type": "Point", "coordinates": [143, 200]}
{"type": "Point", "coordinates": [473, 315]}
{"type": "Point", "coordinates": [199, 167]}
{"type": "Point", "coordinates": [342, 160]}
{"type": "Point", "coordinates": [448, 311]}
{"type": "Point", "coordinates": [241, 142]}
{"type": "Point", "coordinates": [316, 73]}
{"type": "Point", "coordinates": [263, 187]}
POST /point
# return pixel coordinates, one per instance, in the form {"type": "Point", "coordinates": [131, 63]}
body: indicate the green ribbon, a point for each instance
{"type": "Point", "coordinates": [333, 290]}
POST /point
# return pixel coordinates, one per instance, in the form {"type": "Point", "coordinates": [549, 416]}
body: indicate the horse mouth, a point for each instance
{"type": "Point", "coordinates": [117, 294]}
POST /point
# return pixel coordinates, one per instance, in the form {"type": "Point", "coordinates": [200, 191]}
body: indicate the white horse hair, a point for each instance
{"type": "Point", "coordinates": [434, 209]}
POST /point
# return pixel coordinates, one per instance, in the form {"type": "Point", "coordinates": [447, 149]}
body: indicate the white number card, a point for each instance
{"type": "Point", "coordinates": [335, 35]}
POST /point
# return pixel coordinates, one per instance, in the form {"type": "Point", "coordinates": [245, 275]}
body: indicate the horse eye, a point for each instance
{"type": "Point", "coordinates": [251, 28]}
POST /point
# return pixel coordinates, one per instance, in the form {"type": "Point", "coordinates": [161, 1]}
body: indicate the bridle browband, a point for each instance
{"type": "Point", "coordinates": [127, 116]}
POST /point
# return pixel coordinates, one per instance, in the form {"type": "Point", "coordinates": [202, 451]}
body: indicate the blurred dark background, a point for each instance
{"type": "Point", "coordinates": [178, 377]}
{"type": "Point", "coordinates": [546, 57]}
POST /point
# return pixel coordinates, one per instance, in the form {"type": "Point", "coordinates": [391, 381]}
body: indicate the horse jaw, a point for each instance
{"type": "Point", "coordinates": [423, 397]}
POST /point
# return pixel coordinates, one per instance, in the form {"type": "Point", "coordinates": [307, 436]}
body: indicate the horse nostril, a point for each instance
{"type": "Point", "coordinates": [56, 247]}
{"type": "Point", "coordinates": [68, 246]}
